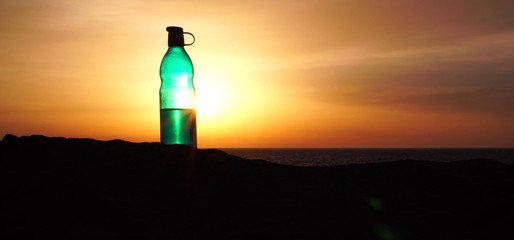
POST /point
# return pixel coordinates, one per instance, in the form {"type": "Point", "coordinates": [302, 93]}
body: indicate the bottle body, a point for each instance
{"type": "Point", "coordinates": [177, 98]}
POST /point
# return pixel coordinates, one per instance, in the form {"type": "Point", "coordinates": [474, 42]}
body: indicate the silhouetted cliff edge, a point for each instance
{"type": "Point", "coordinates": [85, 188]}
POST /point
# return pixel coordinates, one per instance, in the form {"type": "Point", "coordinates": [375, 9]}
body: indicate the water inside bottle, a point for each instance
{"type": "Point", "coordinates": [178, 126]}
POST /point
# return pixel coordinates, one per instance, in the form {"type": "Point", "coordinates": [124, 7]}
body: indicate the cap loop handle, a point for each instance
{"type": "Point", "coordinates": [189, 44]}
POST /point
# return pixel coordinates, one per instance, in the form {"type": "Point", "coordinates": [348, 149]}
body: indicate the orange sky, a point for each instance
{"type": "Point", "coordinates": [317, 73]}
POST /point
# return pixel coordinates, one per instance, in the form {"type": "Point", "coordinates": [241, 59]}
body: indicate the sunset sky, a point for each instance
{"type": "Point", "coordinates": [268, 73]}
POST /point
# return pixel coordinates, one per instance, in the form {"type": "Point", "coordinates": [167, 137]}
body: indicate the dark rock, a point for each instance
{"type": "Point", "coordinates": [85, 188]}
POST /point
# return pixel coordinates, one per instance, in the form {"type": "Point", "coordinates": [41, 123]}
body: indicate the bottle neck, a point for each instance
{"type": "Point", "coordinates": [177, 47]}
{"type": "Point", "coordinates": [176, 50]}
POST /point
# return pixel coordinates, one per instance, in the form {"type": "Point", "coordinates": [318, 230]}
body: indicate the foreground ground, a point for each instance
{"type": "Point", "coordinates": [85, 188]}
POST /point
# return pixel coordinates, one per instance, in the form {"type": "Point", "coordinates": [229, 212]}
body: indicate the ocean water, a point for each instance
{"type": "Point", "coordinates": [345, 156]}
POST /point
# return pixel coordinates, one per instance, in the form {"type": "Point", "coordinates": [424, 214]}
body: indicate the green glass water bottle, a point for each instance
{"type": "Point", "coordinates": [177, 92]}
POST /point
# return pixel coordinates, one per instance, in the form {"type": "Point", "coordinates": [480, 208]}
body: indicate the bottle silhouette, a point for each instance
{"type": "Point", "coordinates": [177, 92]}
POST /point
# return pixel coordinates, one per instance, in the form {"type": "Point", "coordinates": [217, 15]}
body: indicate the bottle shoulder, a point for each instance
{"type": "Point", "coordinates": [176, 54]}
{"type": "Point", "coordinates": [176, 60]}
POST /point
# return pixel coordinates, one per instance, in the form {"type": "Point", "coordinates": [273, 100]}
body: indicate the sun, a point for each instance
{"type": "Point", "coordinates": [211, 99]}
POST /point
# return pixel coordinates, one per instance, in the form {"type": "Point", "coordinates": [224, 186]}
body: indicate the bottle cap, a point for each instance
{"type": "Point", "coordinates": [176, 36]}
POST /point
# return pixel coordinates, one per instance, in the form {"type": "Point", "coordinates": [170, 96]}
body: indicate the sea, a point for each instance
{"type": "Point", "coordinates": [346, 156]}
